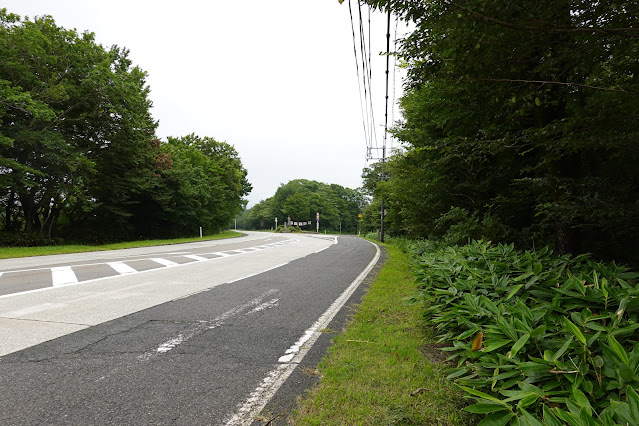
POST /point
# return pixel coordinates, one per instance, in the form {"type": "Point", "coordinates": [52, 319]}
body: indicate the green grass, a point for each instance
{"type": "Point", "coordinates": [373, 368]}
{"type": "Point", "coordinates": [14, 252]}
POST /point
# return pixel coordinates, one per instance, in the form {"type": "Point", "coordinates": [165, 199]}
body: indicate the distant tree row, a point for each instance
{"type": "Point", "coordinates": [301, 200]}
{"type": "Point", "coordinates": [79, 158]}
{"type": "Point", "coordinates": [521, 124]}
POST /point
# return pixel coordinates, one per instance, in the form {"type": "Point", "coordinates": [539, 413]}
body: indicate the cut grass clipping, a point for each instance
{"type": "Point", "coordinates": [14, 252]}
{"type": "Point", "coordinates": [376, 372]}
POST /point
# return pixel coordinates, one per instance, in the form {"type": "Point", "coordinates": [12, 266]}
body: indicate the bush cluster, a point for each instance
{"type": "Point", "coordinates": [535, 337]}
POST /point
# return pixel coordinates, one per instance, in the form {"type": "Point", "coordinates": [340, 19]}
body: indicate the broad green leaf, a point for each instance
{"type": "Point", "coordinates": [507, 375]}
{"type": "Point", "coordinates": [618, 349]}
{"type": "Point", "coordinates": [586, 419]}
{"type": "Point", "coordinates": [596, 326]}
{"type": "Point", "coordinates": [563, 349]}
{"type": "Point", "coordinates": [514, 291]}
{"type": "Point", "coordinates": [457, 372]}
{"type": "Point", "coordinates": [523, 277]}
{"type": "Point", "coordinates": [538, 331]}
{"type": "Point", "coordinates": [530, 420]}
{"type": "Point", "coordinates": [497, 419]}
{"type": "Point", "coordinates": [622, 410]}
{"type": "Point", "coordinates": [581, 400]}
{"type": "Point", "coordinates": [485, 408]}
{"type": "Point", "coordinates": [527, 400]}
{"type": "Point", "coordinates": [633, 404]}
{"type": "Point", "coordinates": [567, 417]}
{"type": "Point", "coordinates": [592, 339]}
{"type": "Point", "coordinates": [491, 345]}
{"type": "Point", "coordinates": [549, 418]}
{"type": "Point", "coordinates": [574, 330]}
{"type": "Point", "coordinates": [622, 307]}
{"type": "Point", "coordinates": [518, 345]}
{"type": "Point", "coordinates": [481, 394]}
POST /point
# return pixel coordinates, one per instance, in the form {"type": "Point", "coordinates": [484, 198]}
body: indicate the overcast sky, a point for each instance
{"type": "Point", "coordinates": [274, 78]}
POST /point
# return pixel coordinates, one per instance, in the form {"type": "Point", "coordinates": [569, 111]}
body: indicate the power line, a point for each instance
{"type": "Point", "coordinates": [383, 212]}
{"type": "Point", "coordinates": [393, 105]}
{"type": "Point", "coordinates": [367, 72]}
{"type": "Point", "coordinates": [359, 87]}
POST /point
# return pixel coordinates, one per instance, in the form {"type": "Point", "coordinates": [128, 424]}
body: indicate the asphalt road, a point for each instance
{"type": "Point", "coordinates": [211, 341]}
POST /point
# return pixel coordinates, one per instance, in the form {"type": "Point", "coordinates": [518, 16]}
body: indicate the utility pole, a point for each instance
{"type": "Point", "coordinates": [382, 214]}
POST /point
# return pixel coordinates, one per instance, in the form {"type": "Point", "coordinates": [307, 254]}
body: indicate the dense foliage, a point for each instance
{"type": "Point", "coordinates": [535, 336]}
{"type": "Point", "coordinates": [78, 154]}
{"type": "Point", "coordinates": [521, 124]}
{"type": "Point", "coordinates": [300, 200]}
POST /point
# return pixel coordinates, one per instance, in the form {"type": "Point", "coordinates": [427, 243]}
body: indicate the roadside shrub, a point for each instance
{"type": "Point", "coordinates": [535, 337]}
{"type": "Point", "coordinates": [281, 229]}
{"type": "Point", "coordinates": [15, 239]}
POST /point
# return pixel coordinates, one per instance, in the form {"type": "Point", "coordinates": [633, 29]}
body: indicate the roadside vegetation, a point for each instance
{"type": "Point", "coordinates": [535, 338]}
{"type": "Point", "coordinates": [14, 252]}
{"type": "Point", "coordinates": [485, 334]}
{"type": "Point", "coordinates": [300, 200]}
{"type": "Point", "coordinates": [384, 368]}
{"type": "Point", "coordinates": [521, 127]}
{"type": "Point", "coordinates": [79, 158]}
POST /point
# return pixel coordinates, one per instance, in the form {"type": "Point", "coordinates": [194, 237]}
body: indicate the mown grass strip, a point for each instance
{"type": "Point", "coordinates": [377, 371]}
{"type": "Point", "coordinates": [14, 252]}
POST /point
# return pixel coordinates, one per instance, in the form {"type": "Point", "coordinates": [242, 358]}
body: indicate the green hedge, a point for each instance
{"type": "Point", "coordinates": [536, 338]}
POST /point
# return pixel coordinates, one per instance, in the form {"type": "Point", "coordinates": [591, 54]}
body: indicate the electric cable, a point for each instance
{"type": "Point", "coordinates": [359, 87]}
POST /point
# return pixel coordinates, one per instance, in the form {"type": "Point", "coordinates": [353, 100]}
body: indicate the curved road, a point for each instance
{"type": "Point", "coordinates": [201, 333]}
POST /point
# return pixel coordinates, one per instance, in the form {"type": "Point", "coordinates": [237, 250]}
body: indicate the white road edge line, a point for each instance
{"type": "Point", "coordinates": [257, 400]}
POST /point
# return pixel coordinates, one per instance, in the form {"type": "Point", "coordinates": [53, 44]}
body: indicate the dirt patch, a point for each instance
{"type": "Point", "coordinates": [433, 352]}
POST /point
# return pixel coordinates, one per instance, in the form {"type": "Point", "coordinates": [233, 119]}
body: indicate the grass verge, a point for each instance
{"type": "Point", "coordinates": [14, 252]}
{"type": "Point", "coordinates": [378, 371]}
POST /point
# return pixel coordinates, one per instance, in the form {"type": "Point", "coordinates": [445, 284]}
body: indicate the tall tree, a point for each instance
{"type": "Point", "coordinates": [301, 199]}
{"type": "Point", "coordinates": [204, 185]}
{"type": "Point", "coordinates": [522, 113]}
{"type": "Point", "coordinates": [75, 129]}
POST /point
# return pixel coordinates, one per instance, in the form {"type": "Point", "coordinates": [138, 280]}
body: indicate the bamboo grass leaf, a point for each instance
{"type": "Point", "coordinates": [574, 330]}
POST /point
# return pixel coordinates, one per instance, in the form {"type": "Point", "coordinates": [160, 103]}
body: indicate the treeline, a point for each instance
{"type": "Point", "coordinates": [521, 125]}
{"type": "Point", "coordinates": [79, 158]}
{"type": "Point", "coordinates": [301, 200]}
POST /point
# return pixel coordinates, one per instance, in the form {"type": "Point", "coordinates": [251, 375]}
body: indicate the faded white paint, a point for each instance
{"type": "Point", "coordinates": [201, 326]}
{"type": "Point", "coordinates": [257, 400]}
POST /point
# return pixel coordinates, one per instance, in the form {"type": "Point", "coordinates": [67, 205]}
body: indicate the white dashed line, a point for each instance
{"type": "Point", "coordinates": [122, 268]}
{"type": "Point", "coordinates": [195, 257]}
{"type": "Point", "coordinates": [164, 262]}
{"type": "Point", "coordinates": [63, 275]}
{"type": "Point", "coordinates": [221, 254]}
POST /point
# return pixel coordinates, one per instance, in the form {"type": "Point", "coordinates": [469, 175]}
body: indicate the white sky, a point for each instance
{"type": "Point", "coordinates": [274, 78]}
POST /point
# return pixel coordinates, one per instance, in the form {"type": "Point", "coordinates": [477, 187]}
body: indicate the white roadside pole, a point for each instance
{"type": "Point", "coordinates": [200, 232]}
{"type": "Point", "coordinates": [317, 219]}
{"type": "Point", "coordinates": [276, 224]}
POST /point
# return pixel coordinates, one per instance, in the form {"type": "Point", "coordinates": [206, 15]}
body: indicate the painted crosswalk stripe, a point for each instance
{"type": "Point", "coordinates": [62, 275]}
{"type": "Point", "coordinates": [122, 268]}
{"type": "Point", "coordinates": [222, 254]}
{"type": "Point", "coordinates": [164, 262]}
{"type": "Point", "coordinates": [194, 257]}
